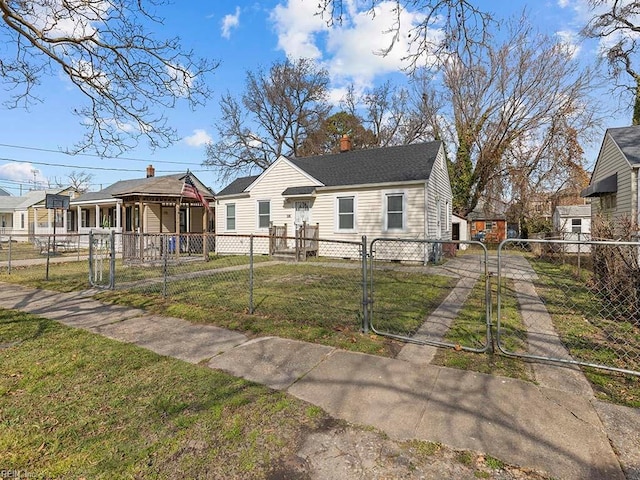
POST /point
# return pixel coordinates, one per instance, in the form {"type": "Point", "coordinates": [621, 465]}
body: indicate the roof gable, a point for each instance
{"type": "Point", "coordinates": [403, 163]}
{"type": "Point", "coordinates": [283, 160]}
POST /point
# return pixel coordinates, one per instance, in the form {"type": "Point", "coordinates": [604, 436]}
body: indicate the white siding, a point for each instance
{"type": "Point", "coordinates": [370, 208]}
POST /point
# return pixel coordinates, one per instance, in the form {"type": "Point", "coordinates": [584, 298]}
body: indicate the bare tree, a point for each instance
{"type": "Point", "coordinates": [518, 109]}
{"type": "Point", "coordinates": [107, 50]}
{"type": "Point", "coordinates": [79, 181]}
{"type": "Point", "coordinates": [615, 22]}
{"type": "Point", "coordinates": [273, 117]}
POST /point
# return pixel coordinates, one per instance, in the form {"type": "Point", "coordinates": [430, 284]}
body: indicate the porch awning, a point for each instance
{"type": "Point", "coordinates": [604, 186]}
{"type": "Point", "coordinates": [306, 191]}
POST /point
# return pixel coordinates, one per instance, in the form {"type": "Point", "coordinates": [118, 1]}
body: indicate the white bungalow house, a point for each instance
{"type": "Point", "coordinates": [27, 215]}
{"type": "Point", "coordinates": [614, 183]}
{"type": "Point", "coordinates": [393, 192]}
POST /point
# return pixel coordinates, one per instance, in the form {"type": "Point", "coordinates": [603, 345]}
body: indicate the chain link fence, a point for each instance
{"type": "Point", "coordinates": [38, 258]}
{"type": "Point", "coordinates": [431, 292]}
{"type": "Point", "coordinates": [578, 302]}
{"type": "Point", "coordinates": [566, 301]}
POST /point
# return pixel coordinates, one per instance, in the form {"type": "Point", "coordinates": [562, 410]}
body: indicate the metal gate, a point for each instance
{"type": "Point", "coordinates": [102, 259]}
{"type": "Point", "coordinates": [571, 302]}
{"type": "Point", "coordinates": [431, 292]}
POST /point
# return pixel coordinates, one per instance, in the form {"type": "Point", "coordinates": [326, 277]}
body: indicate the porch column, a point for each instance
{"type": "Point", "coordinates": [118, 210]}
{"type": "Point", "coordinates": [177, 231]}
{"type": "Point", "coordinates": [97, 216]}
{"type": "Point", "coordinates": [205, 232]}
{"type": "Point", "coordinates": [141, 227]}
{"type": "Point", "coordinates": [49, 224]}
{"type": "Point", "coordinates": [35, 220]}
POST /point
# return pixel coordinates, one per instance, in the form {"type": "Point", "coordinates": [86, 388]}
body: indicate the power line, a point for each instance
{"type": "Point", "coordinates": [92, 155]}
{"type": "Point", "coordinates": [107, 169]}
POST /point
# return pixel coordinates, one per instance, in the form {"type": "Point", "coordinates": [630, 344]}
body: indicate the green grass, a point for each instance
{"type": "Point", "coordinates": [27, 250]}
{"type": "Point", "coordinates": [590, 330]}
{"type": "Point", "coordinates": [469, 330]}
{"type": "Point", "coordinates": [304, 301]}
{"type": "Point", "coordinates": [73, 404]}
{"type": "Point", "coordinates": [403, 299]}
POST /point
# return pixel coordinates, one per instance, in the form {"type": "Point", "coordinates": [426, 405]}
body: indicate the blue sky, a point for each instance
{"type": "Point", "coordinates": [242, 36]}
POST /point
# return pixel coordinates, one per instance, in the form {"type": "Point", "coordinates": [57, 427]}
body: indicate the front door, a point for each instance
{"type": "Point", "coordinates": [302, 213]}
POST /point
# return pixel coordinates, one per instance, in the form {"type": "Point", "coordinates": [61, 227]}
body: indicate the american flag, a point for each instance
{"type": "Point", "coordinates": [190, 190]}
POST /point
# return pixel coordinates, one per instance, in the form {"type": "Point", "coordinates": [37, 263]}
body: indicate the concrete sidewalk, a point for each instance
{"type": "Point", "coordinates": [568, 435]}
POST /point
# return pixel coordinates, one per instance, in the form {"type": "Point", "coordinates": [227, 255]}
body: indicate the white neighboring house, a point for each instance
{"type": "Point", "coordinates": [460, 230]}
{"type": "Point", "coordinates": [27, 215]}
{"type": "Point", "coordinates": [573, 222]}
{"type": "Point", "coordinates": [392, 192]}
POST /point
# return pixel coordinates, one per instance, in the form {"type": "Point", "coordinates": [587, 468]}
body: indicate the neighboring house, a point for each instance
{"type": "Point", "coordinates": [148, 205]}
{"type": "Point", "coordinates": [26, 216]}
{"type": "Point", "coordinates": [393, 192]}
{"type": "Point", "coordinates": [460, 230]}
{"type": "Point", "coordinates": [572, 222]}
{"type": "Point", "coordinates": [488, 222]}
{"type": "Point", "coordinates": [613, 188]}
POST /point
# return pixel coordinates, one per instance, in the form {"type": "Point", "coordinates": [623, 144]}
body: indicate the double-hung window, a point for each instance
{"type": "Point", "coordinates": [346, 213]}
{"type": "Point", "coordinates": [264, 214]}
{"type": "Point", "coordinates": [231, 216]}
{"type": "Point", "coordinates": [394, 215]}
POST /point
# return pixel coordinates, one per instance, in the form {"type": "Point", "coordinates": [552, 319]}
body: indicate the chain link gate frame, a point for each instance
{"type": "Point", "coordinates": [102, 259]}
{"type": "Point", "coordinates": [418, 270]}
{"type": "Point", "coordinates": [567, 305]}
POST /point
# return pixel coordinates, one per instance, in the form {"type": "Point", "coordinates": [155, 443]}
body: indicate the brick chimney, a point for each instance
{"type": "Point", "coordinates": [151, 172]}
{"type": "Point", "coordinates": [345, 143]}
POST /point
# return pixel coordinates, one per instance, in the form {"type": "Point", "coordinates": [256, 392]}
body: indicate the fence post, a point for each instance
{"type": "Point", "coordinates": [112, 261]}
{"type": "Point", "coordinates": [165, 268]}
{"type": "Point", "coordinates": [365, 295]}
{"type": "Point", "coordinates": [251, 274]}
{"type": "Point", "coordinates": [46, 275]}
{"type": "Point", "coordinates": [91, 257]}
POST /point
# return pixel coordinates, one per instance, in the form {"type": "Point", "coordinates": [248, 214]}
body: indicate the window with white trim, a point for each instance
{"type": "Point", "coordinates": [576, 225]}
{"type": "Point", "coordinates": [231, 216]}
{"type": "Point", "coordinates": [346, 213]}
{"type": "Point", "coordinates": [394, 211]}
{"type": "Point", "coordinates": [264, 214]}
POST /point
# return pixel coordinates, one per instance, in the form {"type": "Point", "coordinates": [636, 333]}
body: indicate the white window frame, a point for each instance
{"type": "Point", "coordinates": [337, 214]}
{"type": "Point", "coordinates": [227, 217]}
{"type": "Point", "coordinates": [258, 214]}
{"type": "Point", "coordinates": [385, 208]}
{"type": "Point", "coordinates": [576, 225]}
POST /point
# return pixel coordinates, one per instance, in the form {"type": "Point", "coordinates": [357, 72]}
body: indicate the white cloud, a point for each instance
{"type": "Point", "coordinates": [21, 172]}
{"type": "Point", "coordinates": [297, 26]}
{"type": "Point", "coordinates": [230, 22]}
{"type": "Point", "coordinates": [180, 80]}
{"type": "Point", "coordinates": [351, 50]}
{"type": "Point", "coordinates": [199, 138]}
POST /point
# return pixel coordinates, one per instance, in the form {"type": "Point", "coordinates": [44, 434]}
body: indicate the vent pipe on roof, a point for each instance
{"type": "Point", "coordinates": [345, 143]}
{"type": "Point", "coordinates": [151, 172]}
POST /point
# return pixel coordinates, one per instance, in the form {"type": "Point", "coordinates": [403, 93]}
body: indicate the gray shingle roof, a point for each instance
{"type": "Point", "coordinates": [238, 185]}
{"type": "Point", "coordinates": [403, 163]}
{"type": "Point", "coordinates": [574, 210]}
{"type": "Point", "coordinates": [628, 140]}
